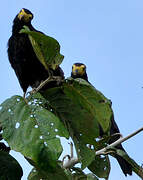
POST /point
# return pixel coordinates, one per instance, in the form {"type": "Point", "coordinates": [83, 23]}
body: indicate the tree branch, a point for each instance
{"type": "Point", "coordinates": [119, 141]}
{"type": "Point", "coordinates": [74, 160]}
{"type": "Point", "coordinates": [71, 159]}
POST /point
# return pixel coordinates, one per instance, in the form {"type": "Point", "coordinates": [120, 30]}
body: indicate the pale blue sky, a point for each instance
{"type": "Point", "coordinates": [105, 35]}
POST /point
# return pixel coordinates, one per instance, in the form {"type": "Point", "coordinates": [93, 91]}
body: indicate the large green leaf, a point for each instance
{"type": "Point", "coordinates": [82, 108]}
{"type": "Point", "coordinates": [32, 130]}
{"type": "Point", "coordinates": [9, 167]}
{"type": "Point", "coordinates": [47, 49]}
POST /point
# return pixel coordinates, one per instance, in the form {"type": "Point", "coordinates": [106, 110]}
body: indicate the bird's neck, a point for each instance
{"type": "Point", "coordinates": [82, 77]}
{"type": "Point", "coordinates": [18, 25]}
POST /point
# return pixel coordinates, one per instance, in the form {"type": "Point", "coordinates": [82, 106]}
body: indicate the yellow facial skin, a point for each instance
{"type": "Point", "coordinates": [23, 15]}
{"type": "Point", "coordinates": [78, 69]}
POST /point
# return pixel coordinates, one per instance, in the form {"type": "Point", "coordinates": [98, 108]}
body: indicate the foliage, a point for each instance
{"type": "Point", "coordinates": [34, 126]}
{"type": "Point", "coordinates": [46, 48]}
{"type": "Point", "coordinates": [9, 167]}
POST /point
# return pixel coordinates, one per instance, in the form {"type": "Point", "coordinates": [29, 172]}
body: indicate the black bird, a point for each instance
{"type": "Point", "coordinates": [79, 71]}
{"type": "Point", "coordinates": [28, 69]}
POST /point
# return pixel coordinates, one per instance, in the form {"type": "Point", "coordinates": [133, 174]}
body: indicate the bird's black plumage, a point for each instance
{"type": "Point", "coordinates": [79, 71]}
{"type": "Point", "coordinates": [28, 69]}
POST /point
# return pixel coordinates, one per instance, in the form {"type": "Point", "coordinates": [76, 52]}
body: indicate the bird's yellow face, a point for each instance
{"type": "Point", "coordinates": [78, 69]}
{"type": "Point", "coordinates": [25, 15]}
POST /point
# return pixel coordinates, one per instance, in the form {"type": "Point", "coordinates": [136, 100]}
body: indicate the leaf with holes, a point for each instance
{"type": "Point", "coordinates": [46, 48]}
{"type": "Point", "coordinates": [32, 130]}
{"type": "Point", "coordinates": [59, 175]}
{"type": "Point", "coordinates": [9, 167]}
{"type": "Point", "coordinates": [82, 108]}
{"type": "Point", "coordinates": [100, 166]}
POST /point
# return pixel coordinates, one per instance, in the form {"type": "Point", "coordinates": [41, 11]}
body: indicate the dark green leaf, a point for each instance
{"type": "Point", "coordinates": [32, 130]}
{"type": "Point", "coordinates": [9, 167]}
{"type": "Point", "coordinates": [100, 166]}
{"type": "Point", "coordinates": [57, 175]}
{"type": "Point", "coordinates": [82, 108]}
{"type": "Point", "coordinates": [91, 177]}
{"type": "Point", "coordinates": [47, 49]}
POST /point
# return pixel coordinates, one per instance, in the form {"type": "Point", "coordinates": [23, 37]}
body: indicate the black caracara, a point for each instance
{"type": "Point", "coordinates": [28, 69]}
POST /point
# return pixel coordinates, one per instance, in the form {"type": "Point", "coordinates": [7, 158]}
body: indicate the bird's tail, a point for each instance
{"type": "Point", "coordinates": [125, 166]}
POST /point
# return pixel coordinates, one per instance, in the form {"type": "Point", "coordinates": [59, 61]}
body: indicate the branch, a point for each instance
{"type": "Point", "coordinates": [119, 141]}
{"type": "Point", "coordinates": [50, 79]}
{"type": "Point", "coordinates": [74, 160]}
{"type": "Point", "coordinates": [71, 159]}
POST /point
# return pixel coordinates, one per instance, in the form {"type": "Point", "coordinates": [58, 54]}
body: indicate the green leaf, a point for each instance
{"type": "Point", "coordinates": [59, 174]}
{"type": "Point", "coordinates": [85, 154]}
{"type": "Point", "coordinates": [32, 130]}
{"type": "Point", "coordinates": [9, 167]}
{"type": "Point", "coordinates": [46, 48]}
{"type": "Point", "coordinates": [100, 166]}
{"type": "Point", "coordinates": [91, 177]}
{"type": "Point", "coordinates": [81, 108]}
{"type": "Point", "coordinates": [92, 100]}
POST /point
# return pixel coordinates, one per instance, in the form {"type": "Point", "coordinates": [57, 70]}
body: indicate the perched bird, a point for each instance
{"type": "Point", "coordinates": [79, 71]}
{"type": "Point", "coordinates": [28, 69]}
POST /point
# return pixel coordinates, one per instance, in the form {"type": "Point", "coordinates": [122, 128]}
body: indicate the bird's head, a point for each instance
{"type": "Point", "coordinates": [79, 71]}
{"type": "Point", "coordinates": [25, 15]}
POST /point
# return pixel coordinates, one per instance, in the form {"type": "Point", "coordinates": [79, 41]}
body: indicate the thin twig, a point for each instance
{"type": "Point", "coordinates": [71, 159]}
{"type": "Point", "coordinates": [74, 160]}
{"type": "Point", "coordinates": [50, 79]}
{"type": "Point", "coordinates": [119, 141]}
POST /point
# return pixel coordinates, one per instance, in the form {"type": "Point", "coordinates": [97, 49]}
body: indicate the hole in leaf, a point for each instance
{"type": "Point", "coordinates": [91, 147]}
{"type": "Point", "coordinates": [41, 137]}
{"type": "Point", "coordinates": [17, 125]}
{"type": "Point", "coordinates": [45, 143]}
{"type": "Point", "coordinates": [102, 156]}
{"type": "Point", "coordinates": [80, 134]}
{"type": "Point", "coordinates": [9, 110]}
{"type": "Point", "coordinates": [88, 145]}
{"type": "Point", "coordinates": [56, 130]}
{"type": "Point", "coordinates": [29, 103]}
{"type": "Point", "coordinates": [18, 99]}
{"type": "Point", "coordinates": [97, 139]}
{"type": "Point", "coordinates": [52, 124]}
{"type": "Point", "coordinates": [36, 126]}
{"type": "Point", "coordinates": [57, 136]}
{"type": "Point", "coordinates": [105, 168]}
{"type": "Point", "coordinates": [1, 131]}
